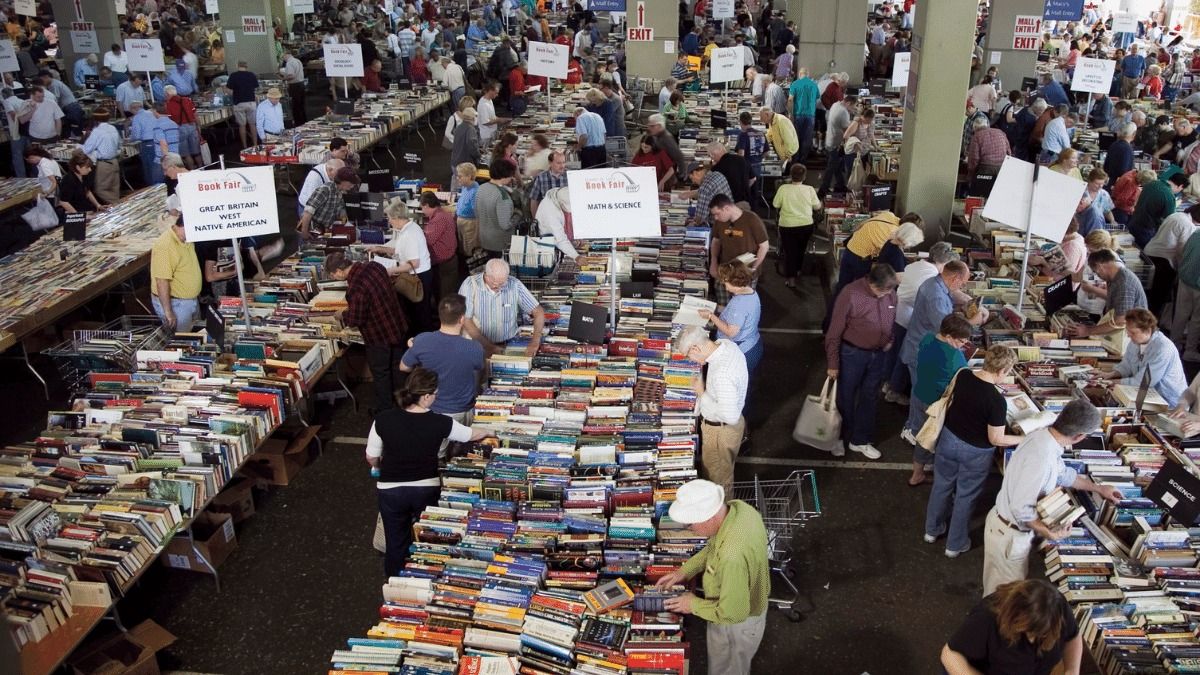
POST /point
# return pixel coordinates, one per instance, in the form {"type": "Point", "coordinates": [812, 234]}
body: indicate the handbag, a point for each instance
{"type": "Point", "coordinates": [409, 286]}
{"type": "Point", "coordinates": [820, 423]}
{"type": "Point", "coordinates": [927, 437]}
{"type": "Point", "coordinates": [42, 216]}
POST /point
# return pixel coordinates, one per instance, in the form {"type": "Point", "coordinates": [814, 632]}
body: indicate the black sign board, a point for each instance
{"type": "Point", "coordinates": [345, 108]}
{"type": "Point", "coordinates": [378, 180]}
{"type": "Point", "coordinates": [588, 323]}
{"type": "Point", "coordinates": [720, 119]}
{"type": "Point", "coordinates": [74, 227]}
{"type": "Point", "coordinates": [1028, 83]}
{"type": "Point", "coordinates": [413, 160]}
{"type": "Point", "coordinates": [1058, 295]}
{"type": "Point", "coordinates": [981, 183]}
{"type": "Point", "coordinates": [1178, 491]}
{"type": "Point", "coordinates": [637, 289]}
{"type": "Point", "coordinates": [91, 82]}
{"type": "Point", "coordinates": [879, 197]}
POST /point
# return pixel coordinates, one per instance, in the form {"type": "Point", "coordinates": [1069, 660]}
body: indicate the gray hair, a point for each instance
{"type": "Point", "coordinates": [979, 123]}
{"type": "Point", "coordinates": [1039, 106]}
{"type": "Point", "coordinates": [496, 268]}
{"type": "Point", "coordinates": [716, 148]}
{"type": "Point", "coordinates": [1129, 129]}
{"type": "Point", "coordinates": [172, 159]}
{"type": "Point", "coordinates": [690, 337]}
{"type": "Point", "coordinates": [910, 234]}
{"type": "Point", "coordinates": [170, 90]}
{"type": "Point", "coordinates": [1063, 109]}
{"type": "Point", "coordinates": [941, 253]}
{"type": "Point", "coordinates": [1079, 416]}
{"type": "Point", "coordinates": [657, 119]}
{"type": "Point", "coordinates": [332, 165]}
{"type": "Point", "coordinates": [396, 208]}
{"type": "Point", "coordinates": [1138, 115]}
{"type": "Point", "coordinates": [579, 110]}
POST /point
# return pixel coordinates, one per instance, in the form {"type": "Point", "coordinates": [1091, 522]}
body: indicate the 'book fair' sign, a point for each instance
{"type": "Point", "coordinates": [228, 203]}
{"type": "Point", "coordinates": [343, 60]}
{"type": "Point", "coordinates": [614, 203]}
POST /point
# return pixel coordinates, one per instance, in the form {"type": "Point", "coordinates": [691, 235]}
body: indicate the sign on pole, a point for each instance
{"type": "Point", "coordinates": [1053, 205]}
{"type": "Point", "coordinates": [1093, 75]}
{"type": "Point", "coordinates": [900, 69]}
{"type": "Point", "coordinates": [1063, 10]}
{"type": "Point", "coordinates": [722, 9]}
{"type": "Point", "coordinates": [83, 37]}
{"type": "Point", "coordinates": [1027, 32]}
{"type": "Point", "coordinates": [228, 203]}
{"type": "Point", "coordinates": [254, 25]}
{"type": "Point", "coordinates": [1124, 23]}
{"type": "Point", "coordinates": [25, 7]}
{"type": "Point", "coordinates": [343, 60]}
{"type": "Point", "coordinates": [8, 57]}
{"type": "Point", "coordinates": [547, 59]}
{"type": "Point", "coordinates": [145, 56]}
{"type": "Point", "coordinates": [614, 203]}
{"type": "Point", "coordinates": [726, 65]}
{"type": "Point", "coordinates": [302, 6]}
{"type": "Point", "coordinates": [211, 7]}
{"type": "Point", "coordinates": [639, 34]}
{"type": "Point", "coordinates": [119, 5]}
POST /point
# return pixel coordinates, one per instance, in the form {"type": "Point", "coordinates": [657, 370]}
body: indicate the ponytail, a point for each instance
{"type": "Point", "coordinates": [421, 381]}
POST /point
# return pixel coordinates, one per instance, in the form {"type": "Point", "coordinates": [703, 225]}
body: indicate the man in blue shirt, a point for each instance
{"type": "Point", "coordinates": [241, 85]}
{"type": "Point", "coordinates": [141, 129]}
{"type": "Point", "coordinates": [166, 136]}
{"type": "Point", "coordinates": [84, 67]}
{"type": "Point", "coordinates": [1052, 91]}
{"type": "Point", "coordinates": [477, 33]}
{"type": "Point", "coordinates": [691, 42]}
{"type": "Point", "coordinates": [182, 79]}
{"type": "Point", "coordinates": [269, 116]}
{"type": "Point", "coordinates": [802, 99]}
{"type": "Point", "coordinates": [158, 87]}
{"type": "Point", "coordinates": [129, 91]}
{"type": "Point", "coordinates": [589, 133]}
{"type": "Point", "coordinates": [103, 146]}
{"type": "Point", "coordinates": [1133, 67]}
{"type": "Point", "coordinates": [751, 143]}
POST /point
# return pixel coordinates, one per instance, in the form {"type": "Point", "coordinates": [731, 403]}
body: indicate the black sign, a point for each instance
{"type": "Point", "coordinates": [1178, 491]}
{"type": "Point", "coordinates": [1058, 295]}
{"type": "Point", "coordinates": [378, 180]}
{"type": "Point", "coordinates": [637, 289]}
{"type": "Point", "coordinates": [879, 197]}
{"type": "Point", "coordinates": [91, 82]}
{"type": "Point", "coordinates": [588, 323]}
{"type": "Point", "coordinates": [74, 227]}
{"type": "Point", "coordinates": [413, 161]}
{"type": "Point", "coordinates": [720, 119]}
{"type": "Point", "coordinates": [1028, 83]}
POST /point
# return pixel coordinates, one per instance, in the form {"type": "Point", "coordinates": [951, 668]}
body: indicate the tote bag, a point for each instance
{"type": "Point", "coordinates": [927, 437]}
{"type": "Point", "coordinates": [820, 423]}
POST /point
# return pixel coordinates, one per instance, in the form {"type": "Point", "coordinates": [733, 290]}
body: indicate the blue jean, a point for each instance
{"type": "Point", "coordinates": [859, 376]}
{"type": "Point", "coordinates": [184, 309]}
{"type": "Point", "coordinates": [456, 96]}
{"type": "Point", "coordinates": [400, 507]}
{"type": "Point", "coordinates": [151, 169]}
{"type": "Point", "coordinates": [959, 471]}
{"type": "Point", "coordinates": [896, 372]}
{"type": "Point", "coordinates": [916, 420]}
{"type": "Point", "coordinates": [804, 133]}
{"type": "Point", "coordinates": [517, 105]}
{"type": "Point", "coordinates": [753, 357]}
{"type": "Point", "coordinates": [18, 156]}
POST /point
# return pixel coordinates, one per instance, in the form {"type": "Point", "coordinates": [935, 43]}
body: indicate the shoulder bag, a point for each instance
{"type": "Point", "coordinates": [927, 437]}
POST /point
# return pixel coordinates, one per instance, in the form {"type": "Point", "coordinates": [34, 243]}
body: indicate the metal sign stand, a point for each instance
{"type": "Point", "coordinates": [612, 285]}
{"type": "Point", "coordinates": [1028, 240]}
{"type": "Point", "coordinates": [241, 278]}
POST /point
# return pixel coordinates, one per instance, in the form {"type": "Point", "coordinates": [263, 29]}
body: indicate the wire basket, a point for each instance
{"type": "Point", "coordinates": [111, 348]}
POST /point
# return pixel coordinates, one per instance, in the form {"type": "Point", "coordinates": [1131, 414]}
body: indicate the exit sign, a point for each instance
{"type": "Point", "coordinates": [640, 34]}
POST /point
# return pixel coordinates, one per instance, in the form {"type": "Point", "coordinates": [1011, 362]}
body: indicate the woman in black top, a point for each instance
{"type": "Point", "coordinates": [1025, 627]}
{"type": "Point", "coordinates": [975, 426]}
{"type": "Point", "coordinates": [75, 192]}
{"type": "Point", "coordinates": [403, 445]}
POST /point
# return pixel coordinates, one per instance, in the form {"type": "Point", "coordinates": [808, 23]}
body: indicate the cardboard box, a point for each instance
{"type": "Point", "coordinates": [279, 459]}
{"type": "Point", "coordinates": [215, 539]}
{"type": "Point", "coordinates": [132, 653]}
{"type": "Point", "coordinates": [236, 499]}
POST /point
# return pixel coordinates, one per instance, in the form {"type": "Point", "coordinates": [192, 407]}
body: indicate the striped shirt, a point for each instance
{"type": "Point", "coordinates": [725, 386]}
{"type": "Point", "coordinates": [544, 182]}
{"type": "Point", "coordinates": [165, 130]}
{"type": "Point", "coordinates": [737, 576]}
{"type": "Point", "coordinates": [407, 41]}
{"type": "Point", "coordinates": [497, 314]}
{"type": "Point", "coordinates": [713, 184]}
{"type": "Point", "coordinates": [860, 319]}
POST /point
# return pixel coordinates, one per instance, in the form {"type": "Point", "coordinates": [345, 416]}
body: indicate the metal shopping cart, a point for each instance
{"type": "Point", "coordinates": [785, 505]}
{"type": "Point", "coordinates": [111, 348]}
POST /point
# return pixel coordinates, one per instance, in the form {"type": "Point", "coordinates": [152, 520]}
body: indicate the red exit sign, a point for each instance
{"type": "Point", "coordinates": [1025, 42]}
{"type": "Point", "coordinates": [640, 34]}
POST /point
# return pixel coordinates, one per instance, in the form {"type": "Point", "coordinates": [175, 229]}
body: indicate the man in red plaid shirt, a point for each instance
{"type": "Point", "coordinates": [372, 307]}
{"type": "Point", "coordinates": [987, 149]}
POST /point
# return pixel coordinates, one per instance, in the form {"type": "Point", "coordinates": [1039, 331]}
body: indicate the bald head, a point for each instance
{"type": "Point", "coordinates": [332, 165]}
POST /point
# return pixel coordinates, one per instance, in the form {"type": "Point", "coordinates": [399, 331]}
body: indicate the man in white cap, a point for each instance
{"type": "Point", "coordinates": [721, 398]}
{"type": "Point", "coordinates": [737, 575]}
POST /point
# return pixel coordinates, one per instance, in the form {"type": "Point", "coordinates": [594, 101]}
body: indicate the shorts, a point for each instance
{"type": "Point", "coordinates": [243, 113]}
{"type": "Point", "coordinates": [189, 140]}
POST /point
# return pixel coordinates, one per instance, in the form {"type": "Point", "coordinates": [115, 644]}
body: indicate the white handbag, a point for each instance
{"type": "Point", "coordinates": [820, 423]}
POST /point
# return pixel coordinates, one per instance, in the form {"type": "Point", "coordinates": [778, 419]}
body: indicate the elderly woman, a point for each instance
{"type": "Point", "coordinates": [1095, 210]}
{"type": "Point", "coordinates": [867, 242]}
{"type": "Point", "coordinates": [464, 209]}
{"type": "Point", "coordinates": [440, 237]}
{"type": "Point", "coordinates": [1149, 350]}
{"type": "Point", "coordinates": [974, 428]}
{"type": "Point", "coordinates": [939, 357]}
{"type": "Point", "coordinates": [466, 142]}
{"type": "Point", "coordinates": [906, 237]}
{"type": "Point", "coordinates": [409, 254]}
{"type": "Point", "coordinates": [738, 320]}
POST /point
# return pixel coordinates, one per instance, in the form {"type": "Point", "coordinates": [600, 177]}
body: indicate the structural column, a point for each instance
{"type": "Point", "coordinates": [1013, 64]}
{"type": "Point", "coordinates": [934, 111]}
{"type": "Point", "coordinates": [258, 51]}
{"type": "Point", "coordinates": [108, 30]}
{"type": "Point", "coordinates": [832, 36]}
{"type": "Point", "coordinates": [652, 58]}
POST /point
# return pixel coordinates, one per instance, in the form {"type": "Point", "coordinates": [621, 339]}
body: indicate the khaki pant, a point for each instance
{"type": "Point", "coordinates": [468, 236]}
{"type": "Point", "coordinates": [731, 647]}
{"type": "Point", "coordinates": [108, 181]}
{"type": "Point", "coordinates": [719, 449]}
{"type": "Point", "coordinates": [1129, 87]}
{"type": "Point", "coordinates": [1185, 327]}
{"type": "Point", "coordinates": [1005, 553]}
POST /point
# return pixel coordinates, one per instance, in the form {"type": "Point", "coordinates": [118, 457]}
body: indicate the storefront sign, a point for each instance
{"type": "Point", "coordinates": [1027, 32]}
{"type": "Point", "coordinates": [254, 25]}
{"type": "Point", "coordinates": [343, 60]}
{"type": "Point", "coordinates": [1093, 75]}
{"type": "Point", "coordinates": [228, 203]}
{"type": "Point", "coordinates": [547, 59]}
{"type": "Point", "coordinates": [1063, 10]}
{"type": "Point", "coordinates": [145, 56]}
{"type": "Point", "coordinates": [726, 65]}
{"type": "Point", "coordinates": [614, 203]}
{"type": "Point", "coordinates": [83, 37]}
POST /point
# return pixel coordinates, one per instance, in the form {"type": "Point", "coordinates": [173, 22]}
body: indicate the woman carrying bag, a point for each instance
{"type": "Point", "coordinates": [974, 426]}
{"type": "Point", "coordinates": [413, 270]}
{"type": "Point", "coordinates": [939, 358]}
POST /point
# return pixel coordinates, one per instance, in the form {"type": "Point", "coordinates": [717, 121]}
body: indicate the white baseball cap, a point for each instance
{"type": "Point", "coordinates": [696, 501]}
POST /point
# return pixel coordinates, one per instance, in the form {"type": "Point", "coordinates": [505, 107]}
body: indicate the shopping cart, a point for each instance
{"type": "Point", "coordinates": [111, 348]}
{"type": "Point", "coordinates": [785, 505]}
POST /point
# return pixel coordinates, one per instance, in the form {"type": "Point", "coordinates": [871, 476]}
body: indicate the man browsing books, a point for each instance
{"type": "Point", "coordinates": [1035, 469]}
{"type": "Point", "coordinates": [720, 399]}
{"type": "Point", "coordinates": [737, 575]}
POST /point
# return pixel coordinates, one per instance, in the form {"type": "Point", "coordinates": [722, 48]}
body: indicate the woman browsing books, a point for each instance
{"type": "Point", "coordinates": [403, 446]}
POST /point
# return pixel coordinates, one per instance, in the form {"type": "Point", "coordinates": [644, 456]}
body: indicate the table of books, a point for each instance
{"type": "Point", "coordinates": [17, 191]}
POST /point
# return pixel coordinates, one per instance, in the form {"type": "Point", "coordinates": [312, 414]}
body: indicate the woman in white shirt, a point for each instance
{"type": "Point", "coordinates": [410, 253]}
{"type": "Point", "coordinates": [1165, 250]}
{"type": "Point", "coordinates": [454, 120]}
{"type": "Point", "coordinates": [48, 170]}
{"type": "Point", "coordinates": [538, 159]}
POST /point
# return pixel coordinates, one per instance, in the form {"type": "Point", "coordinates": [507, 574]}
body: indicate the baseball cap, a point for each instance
{"type": "Point", "coordinates": [696, 501]}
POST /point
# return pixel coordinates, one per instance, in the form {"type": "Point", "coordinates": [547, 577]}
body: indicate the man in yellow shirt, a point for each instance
{"type": "Point", "coordinates": [780, 134]}
{"type": "Point", "coordinates": [175, 271]}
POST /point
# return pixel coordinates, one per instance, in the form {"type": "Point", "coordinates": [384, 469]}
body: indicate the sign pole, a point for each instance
{"type": "Point", "coordinates": [612, 285]}
{"type": "Point", "coordinates": [151, 85]}
{"type": "Point", "coordinates": [1028, 240]}
{"type": "Point", "coordinates": [346, 87]}
{"type": "Point", "coordinates": [241, 278]}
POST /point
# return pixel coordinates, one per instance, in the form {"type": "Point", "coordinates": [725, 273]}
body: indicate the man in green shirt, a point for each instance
{"type": "Point", "coordinates": [802, 96]}
{"type": "Point", "coordinates": [737, 575]}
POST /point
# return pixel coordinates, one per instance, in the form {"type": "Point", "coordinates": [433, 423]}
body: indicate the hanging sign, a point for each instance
{"type": "Point", "coordinates": [1062, 10]}
{"type": "Point", "coordinates": [547, 59]}
{"type": "Point", "coordinates": [83, 37]}
{"type": "Point", "coordinates": [1027, 32]}
{"type": "Point", "coordinates": [145, 56]}
{"type": "Point", "coordinates": [228, 203]}
{"type": "Point", "coordinates": [608, 203]}
{"type": "Point", "coordinates": [343, 60]}
{"type": "Point", "coordinates": [302, 6]}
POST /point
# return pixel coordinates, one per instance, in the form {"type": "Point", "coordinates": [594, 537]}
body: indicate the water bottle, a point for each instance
{"type": "Point", "coordinates": [374, 472]}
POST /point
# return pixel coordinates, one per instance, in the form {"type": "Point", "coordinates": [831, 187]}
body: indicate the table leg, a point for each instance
{"type": "Point", "coordinates": [25, 358]}
{"type": "Point", "coordinates": [337, 373]}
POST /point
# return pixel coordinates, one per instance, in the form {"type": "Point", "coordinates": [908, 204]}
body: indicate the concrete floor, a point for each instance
{"type": "Point", "coordinates": [304, 576]}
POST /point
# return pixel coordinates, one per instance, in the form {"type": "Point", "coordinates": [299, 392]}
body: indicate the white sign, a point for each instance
{"type": "Point", "coordinates": [547, 59]}
{"type": "Point", "coordinates": [254, 25]}
{"type": "Point", "coordinates": [639, 34]}
{"type": "Point", "coordinates": [722, 9]}
{"type": "Point", "coordinates": [145, 56]}
{"type": "Point", "coordinates": [302, 6]}
{"type": "Point", "coordinates": [1093, 75]}
{"type": "Point", "coordinates": [343, 60]}
{"type": "Point", "coordinates": [1027, 32]}
{"type": "Point", "coordinates": [1124, 23]}
{"type": "Point", "coordinates": [8, 57]}
{"type": "Point", "coordinates": [223, 204]}
{"type": "Point", "coordinates": [668, 46]}
{"type": "Point", "coordinates": [230, 37]}
{"type": "Point", "coordinates": [119, 5]}
{"type": "Point", "coordinates": [726, 64]}
{"type": "Point", "coordinates": [25, 7]}
{"type": "Point", "coordinates": [608, 203]}
{"type": "Point", "coordinates": [994, 58]}
{"type": "Point", "coordinates": [211, 7]}
{"type": "Point", "coordinates": [900, 69]}
{"type": "Point", "coordinates": [83, 37]}
{"type": "Point", "coordinates": [1053, 204]}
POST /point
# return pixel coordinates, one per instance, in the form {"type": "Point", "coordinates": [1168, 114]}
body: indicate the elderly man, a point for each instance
{"type": "Point", "coordinates": [175, 270]}
{"type": "Point", "coordinates": [733, 167]}
{"type": "Point", "coordinates": [242, 85]}
{"type": "Point", "coordinates": [721, 395]}
{"type": "Point", "coordinates": [455, 79]}
{"type": "Point", "coordinates": [856, 345]}
{"type": "Point", "coordinates": [554, 177]}
{"type": "Point", "coordinates": [373, 308]}
{"type": "Point", "coordinates": [103, 146]}
{"type": "Point", "coordinates": [1055, 138]}
{"type": "Point", "coordinates": [141, 129]}
{"type": "Point", "coordinates": [268, 117]}
{"type": "Point", "coordinates": [916, 274]}
{"type": "Point", "coordinates": [293, 75]}
{"type": "Point", "coordinates": [83, 67]}
{"type": "Point", "coordinates": [736, 574]}
{"type": "Point", "coordinates": [315, 178]}
{"type": "Point", "coordinates": [987, 149]}
{"type": "Point", "coordinates": [709, 184]}
{"type": "Point", "coordinates": [1122, 292]}
{"type": "Point", "coordinates": [1052, 91]}
{"type": "Point", "coordinates": [656, 127]}
{"type": "Point", "coordinates": [495, 304]}
{"type": "Point", "coordinates": [774, 97]}
{"type": "Point", "coordinates": [1133, 66]}
{"type": "Point", "coordinates": [182, 111]}
{"type": "Point", "coordinates": [780, 134]}
{"type": "Point", "coordinates": [1034, 470]}
{"type": "Point", "coordinates": [1101, 115]}
{"type": "Point", "coordinates": [589, 138]}
{"type": "Point", "coordinates": [837, 120]}
{"type": "Point", "coordinates": [327, 205]}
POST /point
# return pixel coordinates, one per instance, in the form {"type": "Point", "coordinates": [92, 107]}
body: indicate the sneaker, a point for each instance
{"type": "Point", "coordinates": [866, 450]}
{"type": "Point", "coordinates": [929, 539]}
{"type": "Point", "coordinates": [908, 436]}
{"type": "Point", "coordinates": [954, 554]}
